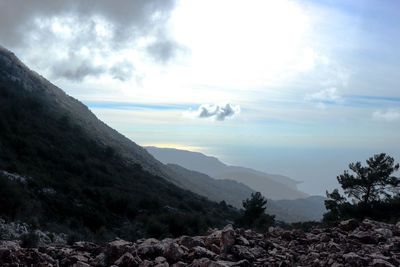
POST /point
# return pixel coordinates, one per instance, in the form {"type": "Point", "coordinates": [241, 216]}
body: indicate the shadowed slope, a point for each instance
{"type": "Point", "coordinates": [80, 175]}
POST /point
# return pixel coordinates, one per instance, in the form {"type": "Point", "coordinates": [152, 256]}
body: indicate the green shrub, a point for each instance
{"type": "Point", "coordinates": [29, 240]}
{"type": "Point", "coordinates": [156, 229]}
{"type": "Point", "coordinates": [33, 222]}
{"type": "Point", "coordinates": [11, 197]}
{"type": "Point", "coordinates": [74, 237]}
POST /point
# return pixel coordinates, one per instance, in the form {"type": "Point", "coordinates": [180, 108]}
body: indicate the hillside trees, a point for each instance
{"type": "Point", "coordinates": [371, 190]}
{"type": "Point", "coordinates": [254, 213]}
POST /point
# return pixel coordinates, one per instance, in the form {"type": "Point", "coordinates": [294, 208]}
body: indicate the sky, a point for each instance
{"type": "Point", "coordinates": [299, 88]}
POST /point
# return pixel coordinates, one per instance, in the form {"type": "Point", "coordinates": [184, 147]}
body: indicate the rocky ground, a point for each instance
{"type": "Point", "coordinates": [15, 230]}
{"type": "Point", "coordinates": [350, 243]}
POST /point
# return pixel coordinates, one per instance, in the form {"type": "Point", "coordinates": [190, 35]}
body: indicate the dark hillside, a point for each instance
{"type": "Point", "coordinates": [56, 100]}
{"type": "Point", "coordinates": [74, 179]}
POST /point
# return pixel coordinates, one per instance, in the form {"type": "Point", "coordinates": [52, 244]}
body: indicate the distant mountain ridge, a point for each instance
{"type": "Point", "coordinates": [233, 193]}
{"type": "Point", "coordinates": [272, 186]}
{"type": "Point", "coordinates": [226, 190]}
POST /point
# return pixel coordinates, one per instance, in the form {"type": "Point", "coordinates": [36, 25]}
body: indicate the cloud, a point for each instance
{"type": "Point", "coordinates": [329, 95]}
{"type": "Point", "coordinates": [128, 17]}
{"type": "Point", "coordinates": [76, 35]}
{"type": "Point", "coordinates": [122, 70]}
{"type": "Point", "coordinates": [217, 112]}
{"type": "Point", "coordinates": [386, 115]}
{"type": "Point", "coordinates": [77, 68]}
{"type": "Point", "coordinates": [162, 49]}
{"type": "Point", "coordinates": [325, 97]}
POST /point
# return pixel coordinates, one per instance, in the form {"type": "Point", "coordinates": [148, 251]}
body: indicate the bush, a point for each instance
{"type": "Point", "coordinates": [11, 197]}
{"type": "Point", "coordinates": [29, 240]}
{"type": "Point", "coordinates": [305, 226]}
{"type": "Point", "coordinates": [33, 222]}
{"type": "Point", "coordinates": [74, 237]}
{"type": "Point", "coordinates": [156, 229]}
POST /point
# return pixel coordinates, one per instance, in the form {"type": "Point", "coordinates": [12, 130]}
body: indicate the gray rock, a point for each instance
{"type": "Point", "coordinates": [227, 239]}
{"type": "Point", "coordinates": [334, 246]}
{"type": "Point", "coordinates": [43, 238]}
{"type": "Point", "coordinates": [191, 242]}
{"type": "Point", "coordinates": [349, 225]}
{"type": "Point", "coordinates": [381, 263]}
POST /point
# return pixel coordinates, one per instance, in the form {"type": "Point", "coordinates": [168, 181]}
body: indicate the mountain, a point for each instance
{"type": "Point", "coordinates": [12, 69]}
{"type": "Point", "coordinates": [312, 207]}
{"type": "Point", "coordinates": [64, 169]}
{"type": "Point", "coordinates": [226, 190]}
{"type": "Point", "coordinates": [259, 182]}
{"type": "Point", "coordinates": [233, 193]}
{"type": "Point", "coordinates": [272, 186]}
{"type": "Point", "coordinates": [234, 184]}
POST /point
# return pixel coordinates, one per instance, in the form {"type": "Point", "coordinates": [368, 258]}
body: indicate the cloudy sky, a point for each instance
{"type": "Point", "coordinates": [299, 88]}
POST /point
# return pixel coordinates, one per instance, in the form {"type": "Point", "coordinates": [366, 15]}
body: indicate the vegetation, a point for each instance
{"type": "Point", "coordinates": [254, 215]}
{"type": "Point", "coordinates": [372, 191]}
{"type": "Point", "coordinates": [81, 186]}
{"type": "Point", "coordinates": [29, 240]}
{"type": "Point", "coordinates": [254, 207]}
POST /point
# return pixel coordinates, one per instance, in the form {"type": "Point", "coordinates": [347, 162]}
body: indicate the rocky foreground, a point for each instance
{"type": "Point", "coordinates": [350, 243]}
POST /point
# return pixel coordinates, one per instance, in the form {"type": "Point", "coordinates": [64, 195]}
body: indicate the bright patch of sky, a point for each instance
{"type": "Point", "coordinates": [300, 88]}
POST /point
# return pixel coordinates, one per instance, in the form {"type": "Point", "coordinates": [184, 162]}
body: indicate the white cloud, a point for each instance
{"type": "Point", "coordinates": [326, 95]}
{"type": "Point", "coordinates": [246, 46]}
{"type": "Point", "coordinates": [386, 115]}
{"type": "Point", "coordinates": [217, 112]}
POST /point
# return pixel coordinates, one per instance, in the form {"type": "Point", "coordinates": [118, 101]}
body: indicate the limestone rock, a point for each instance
{"type": "Point", "coordinates": [350, 243]}
{"type": "Point", "coordinates": [349, 225]}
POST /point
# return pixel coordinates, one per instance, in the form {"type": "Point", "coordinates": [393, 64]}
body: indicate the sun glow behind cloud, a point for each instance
{"type": "Point", "coordinates": [231, 51]}
{"type": "Point", "coordinates": [239, 44]}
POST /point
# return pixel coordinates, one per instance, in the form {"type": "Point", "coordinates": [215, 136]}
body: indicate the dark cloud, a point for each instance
{"type": "Point", "coordinates": [218, 112]}
{"type": "Point", "coordinates": [122, 70]}
{"type": "Point", "coordinates": [98, 27]}
{"type": "Point", "coordinates": [76, 69]}
{"type": "Point", "coordinates": [129, 17]}
{"type": "Point", "coordinates": [163, 48]}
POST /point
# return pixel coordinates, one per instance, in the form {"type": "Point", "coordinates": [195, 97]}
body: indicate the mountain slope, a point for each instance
{"type": "Point", "coordinates": [217, 190]}
{"type": "Point", "coordinates": [312, 207]}
{"type": "Point", "coordinates": [234, 193]}
{"type": "Point", "coordinates": [79, 174]}
{"type": "Point", "coordinates": [271, 186]}
{"type": "Point", "coordinates": [12, 69]}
